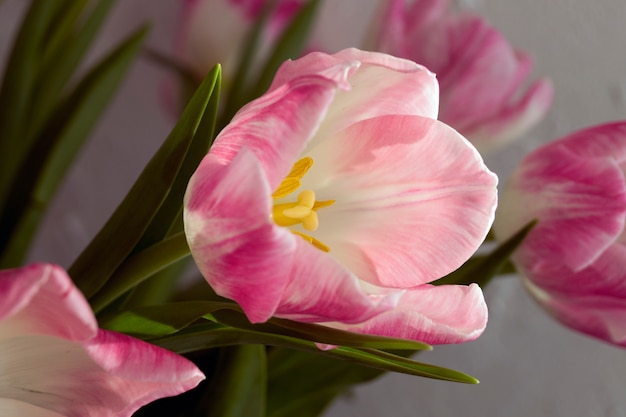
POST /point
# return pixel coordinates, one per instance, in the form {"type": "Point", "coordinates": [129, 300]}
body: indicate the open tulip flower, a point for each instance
{"type": "Point", "coordinates": [480, 74]}
{"type": "Point", "coordinates": [574, 259]}
{"type": "Point", "coordinates": [337, 196]}
{"type": "Point", "coordinates": [56, 362]}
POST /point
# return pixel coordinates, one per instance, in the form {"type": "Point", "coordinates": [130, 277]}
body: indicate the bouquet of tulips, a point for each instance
{"type": "Point", "coordinates": [314, 219]}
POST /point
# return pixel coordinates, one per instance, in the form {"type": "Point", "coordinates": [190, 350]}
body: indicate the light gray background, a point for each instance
{"type": "Point", "coordinates": [528, 365]}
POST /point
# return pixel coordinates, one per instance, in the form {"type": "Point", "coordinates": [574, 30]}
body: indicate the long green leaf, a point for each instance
{"type": "Point", "coordinates": [64, 54]}
{"type": "Point", "coordinates": [17, 89]}
{"type": "Point", "coordinates": [44, 168]}
{"type": "Point", "coordinates": [171, 209]}
{"type": "Point", "coordinates": [238, 388]}
{"type": "Point", "coordinates": [316, 333]}
{"type": "Point", "coordinates": [128, 223]}
{"type": "Point", "coordinates": [199, 338]}
{"type": "Point", "coordinates": [326, 378]}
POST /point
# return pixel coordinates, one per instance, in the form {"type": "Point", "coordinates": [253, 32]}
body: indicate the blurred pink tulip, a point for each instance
{"type": "Point", "coordinates": [336, 196]}
{"type": "Point", "coordinates": [479, 72]}
{"type": "Point", "coordinates": [56, 362]}
{"type": "Point", "coordinates": [213, 31]}
{"type": "Point", "coordinates": [574, 260]}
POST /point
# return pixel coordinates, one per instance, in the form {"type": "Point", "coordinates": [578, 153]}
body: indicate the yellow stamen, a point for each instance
{"type": "Point", "coordinates": [312, 241]}
{"type": "Point", "coordinates": [292, 181]}
{"type": "Point", "coordinates": [303, 211]}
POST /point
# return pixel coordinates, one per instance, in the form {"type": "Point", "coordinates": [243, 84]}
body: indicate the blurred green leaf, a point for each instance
{"type": "Point", "coordinates": [124, 229]}
{"type": "Point", "coordinates": [44, 167]}
{"type": "Point", "coordinates": [17, 88]}
{"type": "Point", "coordinates": [238, 387]}
{"type": "Point", "coordinates": [326, 378]}
{"type": "Point", "coordinates": [482, 269]}
{"type": "Point", "coordinates": [64, 52]}
{"type": "Point", "coordinates": [292, 42]}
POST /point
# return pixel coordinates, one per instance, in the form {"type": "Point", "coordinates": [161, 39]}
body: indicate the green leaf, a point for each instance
{"type": "Point", "coordinates": [171, 209]}
{"type": "Point", "coordinates": [239, 91]}
{"type": "Point", "coordinates": [45, 166]}
{"type": "Point", "coordinates": [326, 378]}
{"type": "Point", "coordinates": [64, 53]}
{"type": "Point", "coordinates": [171, 317]}
{"type": "Point", "coordinates": [124, 229]}
{"type": "Point", "coordinates": [200, 337]}
{"type": "Point", "coordinates": [290, 45]}
{"type": "Point", "coordinates": [481, 269]}
{"type": "Point", "coordinates": [17, 88]}
{"type": "Point", "coordinates": [238, 387]}
{"type": "Point", "coordinates": [316, 333]}
{"type": "Point", "coordinates": [156, 321]}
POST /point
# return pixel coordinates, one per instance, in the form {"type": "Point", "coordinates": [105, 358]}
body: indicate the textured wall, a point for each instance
{"type": "Point", "coordinates": [528, 365]}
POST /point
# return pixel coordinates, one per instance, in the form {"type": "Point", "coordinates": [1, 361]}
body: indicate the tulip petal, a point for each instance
{"type": "Point", "coordinates": [600, 317]}
{"type": "Point", "coordinates": [434, 315]}
{"type": "Point", "coordinates": [236, 246]}
{"type": "Point", "coordinates": [513, 119]}
{"type": "Point", "coordinates": [109, 376]}
{"type": "Point", "coordinates": [382, 85]}
{"type": "Point", "coordinates": [292, 113]}
{"type": "Point", "coordinates": [41, 299]}
{"type": "Point", "coordinates": [414, 223]}
{"type": "Point", "coordinates": [580, 183]}
{"type": "Point", "coordinates": [322, 290]}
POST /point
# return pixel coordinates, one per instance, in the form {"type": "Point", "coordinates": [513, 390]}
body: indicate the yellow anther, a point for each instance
{"type": "Point", "coordinates": [312, 241]}
{"type": "Point", "coordinates": [288, 186]}
{"type": "Point", "coordinates": [301, 167]}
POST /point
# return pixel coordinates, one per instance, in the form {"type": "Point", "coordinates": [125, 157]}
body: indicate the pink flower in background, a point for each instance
{"type": "Point", "coordinates": [56, 362]}
{"type": "Point", "coordinates": [336, 197]}
{"type": "Point", "coordinates": [480, 74]}
{"type": "Point", "coordinates": [574, 260]}
{"type": "Point", "coordinates": [212, 31]}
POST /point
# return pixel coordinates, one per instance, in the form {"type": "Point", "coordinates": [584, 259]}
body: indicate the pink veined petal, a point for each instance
{"type": "Point", "coordinates": [292, 113]}
{"type": "Point", "coordinates": [109, 376]}
{"type": "Point", "coordinates": [140, 372]}
{"type": "Point", "coordinates": [576, 188]}
{"type": "Point", "coordinates": [235, 244]}
{"type": "Point", "coordinates": [600, 317]}
{"type": "Point", "coordinates": [382, 85]}
{"type": "Point", "coordinates": [41, 299]}
{"type": "Point", "coordinates": [484, 76]}
{"type": "Point", "coordinates": [322, 290]}
{"type": "Point", "coordinates": [434, 315]}
{"type": "Point", "coordinates": [514, 119]}
{"type": "Point", "coordinates": [605, 277]}
{"type": "Point", "coordinates": [408, 225]}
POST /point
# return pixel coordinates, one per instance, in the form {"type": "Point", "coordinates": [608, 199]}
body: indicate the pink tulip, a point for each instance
{"type": "Point", "coordinates": [213, 31]}
{"type": "Point", "coordinates": [336, 196]}
{"type": "Point", "coordinates": [56, 362]}
{"type": "Point", "coordinates": [480, 74]}
{"type": "Point", "coordinates": [574, 260]}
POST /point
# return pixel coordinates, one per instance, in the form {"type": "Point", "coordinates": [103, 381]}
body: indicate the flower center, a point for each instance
{"type": "Point", "coordinates": [304, 210]}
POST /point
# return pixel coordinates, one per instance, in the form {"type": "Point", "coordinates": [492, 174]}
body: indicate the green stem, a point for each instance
{"type": "Point", "coordinates": [141, 266]}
